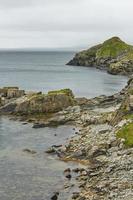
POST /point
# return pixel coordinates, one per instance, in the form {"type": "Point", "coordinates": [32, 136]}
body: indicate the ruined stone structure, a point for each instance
{"type": "Point", "coordinates": [11, 92]}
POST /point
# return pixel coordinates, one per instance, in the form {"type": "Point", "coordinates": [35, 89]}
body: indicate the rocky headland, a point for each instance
{"type": "Point", "coordinates": [113, 55]}
{"type": "Point", "coordinates": [103, 142]}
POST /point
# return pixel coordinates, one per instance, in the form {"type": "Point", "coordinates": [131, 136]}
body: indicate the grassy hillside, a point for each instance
{"type": "Point", "coordinates": [113, 48]}
{"type": "Point", "coordinates": [114, 55]}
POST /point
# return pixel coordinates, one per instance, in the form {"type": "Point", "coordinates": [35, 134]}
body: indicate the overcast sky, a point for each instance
{"type": "Point", "coordinates": [63, 23]}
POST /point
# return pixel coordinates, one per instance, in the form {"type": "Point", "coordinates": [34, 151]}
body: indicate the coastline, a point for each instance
{"type": "Point", "coordinates": [95, 144]}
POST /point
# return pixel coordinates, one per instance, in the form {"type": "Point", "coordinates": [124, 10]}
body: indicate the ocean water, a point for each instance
{"type": "Point", "coordinates": [44, 71]}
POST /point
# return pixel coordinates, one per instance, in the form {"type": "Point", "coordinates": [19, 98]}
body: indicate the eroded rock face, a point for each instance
{"type": "Point", "coordinates": [114, 55]}
{"type": "Point", "coordinates": [126, 107]}
{"type": "Point", "coordinates": [52, 102]}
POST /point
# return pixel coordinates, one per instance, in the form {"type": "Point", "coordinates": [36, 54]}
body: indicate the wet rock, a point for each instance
{"type": "Point", "coordinates": [75, 195]}
{"type": "Point", "coordinates": [29, 151]}
{"type": "Point", "coordinates": [68, 176]}
{"type": "Point", "coordinates": [77, 170]}
{"type": "Point", "coordinates": [50, 150]}
{"type": "Point", "coordinates": [39, 125]}
{"type": "Point", "coordinates": [57, 146]}
{"type": "Point", "coordinates": [55, 196]}
{"type": "Point", "coordinates": [67, 173]}
{"type": "Point", "coordinates": [24, 123]}
{"type": "Point", "coordinates": [68, 170]}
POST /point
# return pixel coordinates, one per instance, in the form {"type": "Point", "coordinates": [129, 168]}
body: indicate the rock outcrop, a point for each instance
{"type": "Point", "coordinates": [39, 103]}
{"type": "Point", "coordinates": [114, 55]}
{"type": "Point", "coordinates": [11, 92]}
{"type": "Point", "coordinates": [126, 108]}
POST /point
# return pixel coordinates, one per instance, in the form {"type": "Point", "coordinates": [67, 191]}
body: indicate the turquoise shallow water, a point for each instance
{"type": "Point", "coordinates": [44, 71]}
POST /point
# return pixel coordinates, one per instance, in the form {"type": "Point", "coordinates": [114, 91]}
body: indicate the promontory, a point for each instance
{"type": "Point", "coordinates": [113, 55]}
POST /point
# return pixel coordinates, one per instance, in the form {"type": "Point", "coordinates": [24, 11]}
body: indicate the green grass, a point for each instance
{"type": "Point", "coordinates": [130, 91]}
{"type": "Point", "coordinates": [113, 48]}
{"type": "Point", "coordinates": [67, 92]}
{"type": "Point", "coordinates": [128, 116]}
{"type": "Point", "coordinates": [126, 132]}
{"type": "Point", "coordinates": [40, 97]}
{"type": "Point", "coordinates": [89, 53]}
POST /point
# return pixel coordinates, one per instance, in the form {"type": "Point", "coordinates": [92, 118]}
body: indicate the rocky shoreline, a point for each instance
{"type": "Point", "coordinates": [104, 142]}
{"type": "Point", "coordinates": [107, 153]}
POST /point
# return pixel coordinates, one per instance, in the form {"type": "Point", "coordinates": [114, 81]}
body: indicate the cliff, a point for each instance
{"type": "Point", "coordinates": [114, 55]}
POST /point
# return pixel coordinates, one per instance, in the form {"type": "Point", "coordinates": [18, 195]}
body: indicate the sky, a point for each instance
{"type": "Point", "coordinates": [65, 24]}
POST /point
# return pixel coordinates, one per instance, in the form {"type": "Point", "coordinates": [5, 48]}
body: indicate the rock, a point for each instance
{"type": "Point", "coordinates": [50, 150]}
{"type": "Point", "coordinates": [29, 151]}
{"type": "Point", "coordinates": [8, 108]}
{"type": "Point", "coordinates": [68, 170]}
{"type": "Point", "coordinates": [126, 106]}
{"type": "Point", "coordinates": [55, 196]}
{"type": "Point", "coordinates": [24, 123]}
{"type": "Point", "coordinates": [52, 102]}
{"type": "Point", "coordinates": [67, 173]}
{"type": "Point", "coordinates": [38, 125]}
{"type": "Point", "coordinates": [15, 93]}
{"type": "Point", "coordinates": [96, 151]}
{"type": "Point", "coordinates": [57, 146]}
{"type": "Point", "coordinates": [77, 170]}
{"type": "Point", "coordinates": [75, 195]}
{"type": "Point", "coordinates": [11, 92]}
{"type": "Point", "coordinates": [68, 176]}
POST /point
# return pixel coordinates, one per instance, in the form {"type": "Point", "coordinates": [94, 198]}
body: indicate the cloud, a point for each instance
{"type": "Point", "coordinates": [63, 23]}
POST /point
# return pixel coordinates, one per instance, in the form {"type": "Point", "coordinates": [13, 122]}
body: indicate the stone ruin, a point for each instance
{"type": "Point", "coordinates": [11, 92]}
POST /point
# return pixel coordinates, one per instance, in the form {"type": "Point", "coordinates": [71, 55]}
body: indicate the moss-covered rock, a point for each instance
{"type": "Point", "coordinates": [114, 55]}
{"type": "Point", "coordinates": [52, 102]}
{"type": "Point", "coordinates": [66, 91]}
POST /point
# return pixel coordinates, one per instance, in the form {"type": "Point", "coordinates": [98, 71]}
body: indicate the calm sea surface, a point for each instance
{"type": "Point", "coordinates": [30, 177]}
{"type": "Point", "coordinates": [43, 71]}
{"type": "Point", "coordinates": [24, 176]}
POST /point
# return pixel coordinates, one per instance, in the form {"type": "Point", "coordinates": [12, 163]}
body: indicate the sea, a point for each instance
{"type": "Point", "coordinates": [44, 71]}
{"type": "Point", "coordinates": [36, 177]}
